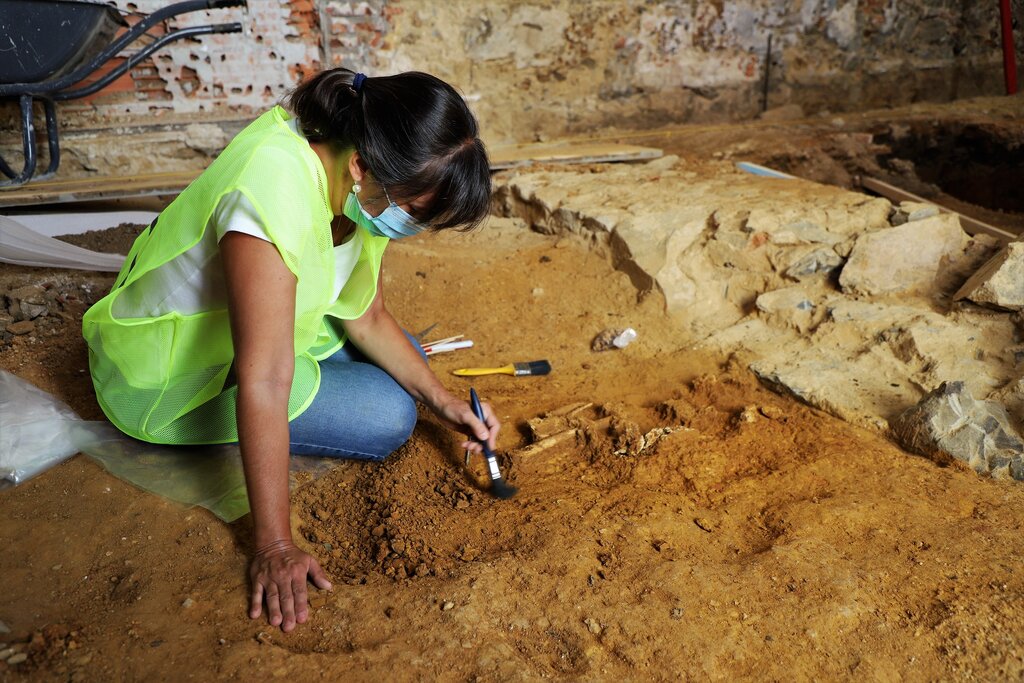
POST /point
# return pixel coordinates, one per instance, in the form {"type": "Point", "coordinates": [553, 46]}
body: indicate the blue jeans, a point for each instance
{"type": "Point", "coordinates": [359, 412]}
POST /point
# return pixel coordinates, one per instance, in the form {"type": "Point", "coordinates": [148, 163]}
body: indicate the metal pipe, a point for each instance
{"type": "Point", "coordinates": [52, 138]}
{"type": "Point", "coordinates": [28, 138]}
{"type": "Point", "coordinates": [1009, 54]}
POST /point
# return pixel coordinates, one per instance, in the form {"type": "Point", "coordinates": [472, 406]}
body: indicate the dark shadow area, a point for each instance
{"type": "Point", "coordinates": [973, 163]}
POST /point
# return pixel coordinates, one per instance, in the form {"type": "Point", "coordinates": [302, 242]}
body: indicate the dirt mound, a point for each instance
{"type": "Point", "coordinates": [425, 513]}
{"type": "Point", "coordinates": [415, 515]}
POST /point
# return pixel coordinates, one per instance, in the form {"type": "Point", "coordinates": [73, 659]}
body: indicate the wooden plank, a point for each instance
{"type": "Point", "coordinates": [574, 152]}
{"type": "Point", "coordinates": [970, 225]}
{"type": "Point", "coordinates": [116, 187]}
{"type": "Point", "coordinates": [93, 188]}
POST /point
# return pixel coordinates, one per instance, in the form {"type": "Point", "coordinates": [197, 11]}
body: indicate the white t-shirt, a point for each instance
{"type": "Point", "coordinates": [194, 281]}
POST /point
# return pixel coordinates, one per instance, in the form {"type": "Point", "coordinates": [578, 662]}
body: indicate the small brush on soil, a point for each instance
{"type": "Point", "coordinates": [535, 367]}
{"type": "Point", "coordinates": [499, 488]}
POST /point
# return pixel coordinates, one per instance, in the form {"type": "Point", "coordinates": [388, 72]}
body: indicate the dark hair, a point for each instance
{"type": "Point", "coordinates": [414, 132]}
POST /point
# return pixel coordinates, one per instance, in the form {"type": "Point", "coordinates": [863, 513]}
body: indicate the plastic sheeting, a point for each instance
{"type": "Point", "coordinates": [22, 246]}
{"type": "Point", "coordinates": [37, 431]}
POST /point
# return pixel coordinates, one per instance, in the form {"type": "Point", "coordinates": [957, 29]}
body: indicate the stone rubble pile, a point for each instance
{"type": "Point", "coordinates": [31, 310]}
{"type": "Point", "coordinates": [949, 422]}
{"type": "Point", "coordinates": [1000, 282]}
{"type": "Point", "coordinates": [849, 303]}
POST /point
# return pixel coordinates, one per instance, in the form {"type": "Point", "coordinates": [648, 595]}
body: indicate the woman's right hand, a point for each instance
{"type": "Point", "coordinates": [278, 573]}
{"type": "Point", "coordinates": [458, 416]}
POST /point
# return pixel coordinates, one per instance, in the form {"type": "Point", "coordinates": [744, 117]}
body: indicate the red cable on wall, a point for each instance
{"type": "Point", "coordinates": [1009, 56]}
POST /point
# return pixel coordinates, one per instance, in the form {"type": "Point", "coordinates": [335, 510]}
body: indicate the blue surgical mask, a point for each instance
{"type": "Point", "coordinates": [394, 222]}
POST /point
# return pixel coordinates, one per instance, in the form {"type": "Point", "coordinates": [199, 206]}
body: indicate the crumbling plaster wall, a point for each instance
{"type": "Point", "coordinates": [564, 67]}
{"type": "Point", "coordinates": [543, 69]}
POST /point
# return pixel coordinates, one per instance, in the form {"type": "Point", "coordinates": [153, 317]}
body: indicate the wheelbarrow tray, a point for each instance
{"type": "Point", "coordinates": [41, 39]}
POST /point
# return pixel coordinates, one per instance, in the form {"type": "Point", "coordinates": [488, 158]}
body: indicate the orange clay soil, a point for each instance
{"type": "Point", "coordinates": [688, 523]}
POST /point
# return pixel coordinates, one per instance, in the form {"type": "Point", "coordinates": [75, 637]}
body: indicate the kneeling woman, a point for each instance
{"type": "Point", "coordinates": [252, 308]}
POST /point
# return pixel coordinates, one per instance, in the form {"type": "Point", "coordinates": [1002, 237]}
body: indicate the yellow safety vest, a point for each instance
{"type": "Point", "coordinates": [163, 379]}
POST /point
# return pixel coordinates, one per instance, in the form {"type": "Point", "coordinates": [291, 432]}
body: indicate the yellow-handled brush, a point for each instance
{"type": "Point", "coordinates": [536, 367]}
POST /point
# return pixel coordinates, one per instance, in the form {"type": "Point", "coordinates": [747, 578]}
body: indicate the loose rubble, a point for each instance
{"type": "Point", "coordinates": [29, 311]}
{"type": "Point", "coordinates": [1000, 282]}
{"type": "Point", "coordinates": [903, 259]}
{"type": "Point", "coordinates": [949, 424]}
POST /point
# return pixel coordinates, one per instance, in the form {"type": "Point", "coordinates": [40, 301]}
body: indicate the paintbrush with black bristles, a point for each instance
{"type": "Point", "coordinates": [499, 488]}
{"type": "Point", "coordinates": [535, 367]}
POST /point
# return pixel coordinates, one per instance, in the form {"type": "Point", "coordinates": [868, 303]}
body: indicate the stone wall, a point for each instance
{"type": "Point", "coordinates": [537, 70]}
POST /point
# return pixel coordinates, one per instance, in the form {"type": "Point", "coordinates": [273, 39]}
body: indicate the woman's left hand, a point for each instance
{"type": "Point", "coordinates": [458, 416]}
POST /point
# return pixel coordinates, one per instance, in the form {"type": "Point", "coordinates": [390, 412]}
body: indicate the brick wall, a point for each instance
{"type": "Point", "coordinates": [220, 74]}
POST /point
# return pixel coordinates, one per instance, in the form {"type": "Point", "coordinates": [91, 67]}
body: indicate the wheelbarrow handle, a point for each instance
{"type": "Point", "coordinates": [233, 27]}
{"type": "Point", "coordinates": [121, 69]}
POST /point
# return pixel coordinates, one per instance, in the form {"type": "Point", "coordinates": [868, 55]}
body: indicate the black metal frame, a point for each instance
{"type": "Point", "coordinates": [59, 89]}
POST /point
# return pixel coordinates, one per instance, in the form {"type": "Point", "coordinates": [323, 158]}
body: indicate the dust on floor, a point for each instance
{"type": "Point", "coordinates": [693, 524]}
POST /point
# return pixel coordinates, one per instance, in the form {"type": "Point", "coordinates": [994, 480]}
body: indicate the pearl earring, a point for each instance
{"type": "Point", "coordinates": [356, 187]}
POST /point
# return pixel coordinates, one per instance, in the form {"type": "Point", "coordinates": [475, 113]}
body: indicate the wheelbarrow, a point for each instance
{"type": "Point", "coordinates": [48, 47]}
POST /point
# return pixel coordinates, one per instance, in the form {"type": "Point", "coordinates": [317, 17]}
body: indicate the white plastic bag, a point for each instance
{"type": "Point", "coordinates": [22, 246]}
{"type": "Point", "coordinates": [37, 431]}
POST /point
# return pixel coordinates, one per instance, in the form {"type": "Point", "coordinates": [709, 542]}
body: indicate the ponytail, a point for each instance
{"type": "Point", "coordinates": [414, 132]}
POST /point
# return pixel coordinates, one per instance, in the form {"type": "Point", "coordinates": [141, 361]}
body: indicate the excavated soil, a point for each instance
{"type": "Point", "coordinates": [675, 520]}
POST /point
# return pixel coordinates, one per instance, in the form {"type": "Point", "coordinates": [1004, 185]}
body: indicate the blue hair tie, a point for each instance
{"type": "Point", "coordinates": [357, 82]}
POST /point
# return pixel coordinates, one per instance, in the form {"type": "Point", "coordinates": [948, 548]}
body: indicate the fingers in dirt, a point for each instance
{"type": "Point", "coordinates": [288, 609]}
{"type": "Point", "coordinates": [256, 602]}
{"type": "Point", "coordinates": [301, 600]}
{"type": "Point", "coordinates": [273, 608]}
{"type": "Point", "coordinates": [320, 579]}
